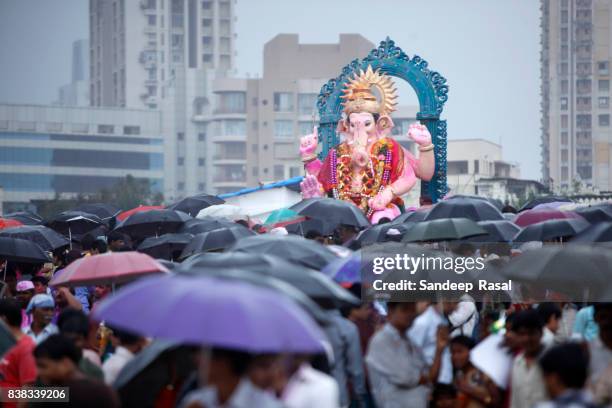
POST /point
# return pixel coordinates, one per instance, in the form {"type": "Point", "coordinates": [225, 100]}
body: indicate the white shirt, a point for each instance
{"type": "Point", "coordinates": [43, 334]}
{"type": "Point", "coordinates": [527, 385]}
{"type": "Point", "coordinates": [246, 395]}
{"type": "Point", "coordinates": [115, 364]}
{"type": "Point", "coordinates": [308, 387]}
{"type": "Point", "coordinates": [464, 317]}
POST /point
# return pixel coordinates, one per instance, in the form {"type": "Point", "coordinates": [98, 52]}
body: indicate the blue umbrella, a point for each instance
{"type": "Point", "coordinates": [345, 270]}
{"type": "Point", "coordinates": [214, 312]}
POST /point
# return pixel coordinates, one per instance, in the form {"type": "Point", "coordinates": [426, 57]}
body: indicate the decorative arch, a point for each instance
{"type": "Point", "coordinates": [431, 90]}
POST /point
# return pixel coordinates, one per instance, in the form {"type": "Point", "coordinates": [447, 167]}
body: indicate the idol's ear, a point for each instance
{"type": "Point", "coordinates": [384, 124]}
{"type": "Point", "coordinates": [342, 128]}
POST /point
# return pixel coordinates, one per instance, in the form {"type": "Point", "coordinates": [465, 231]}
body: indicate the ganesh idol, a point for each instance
{"type": "Point", "coordinates": [368, 168]}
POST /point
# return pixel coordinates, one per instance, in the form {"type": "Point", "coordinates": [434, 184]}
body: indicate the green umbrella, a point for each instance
{"type": "Point", "coordinates": [281, 215]}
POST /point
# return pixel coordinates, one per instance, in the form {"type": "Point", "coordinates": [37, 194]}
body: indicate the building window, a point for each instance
{"type": "Point", "coordinates": [564, 16]}
{"type": "Point", "coordinates": [564, 52]}
{"type": "Point", "coordinates": [604, 85]}
{"type": "Point", "coordinates": [564, 156]}
{"type": "Point", "coordinates": [604, 120]}
{"type": "Point", "coordinates": [564, 103]}
{"type": "Point", "coordinates": [131, 130]}
{"type": "Point", "coordinates": [457, 167]}
{"type": "Point", "coordinates": [206, 5]}
{"type": "Point", "coordinates": [283, 102]}
{"type": "Point", "coordinates": [583, 121]}
{"type": "Point", "coordinates": [564, 34]}
{"type": "Point", "coordinates": [583, 86]}
{"type": "Point", "coordinates": [564, 121]}
{"type": "Point", "coordinates": [279, 172]}
{"type": "Point", "coordinates": [207, 58]}
{"type": "Point", "coordinates": [564, 174]}
{"type": "Point", "coordinates": [564, 68]}
{"type": "Point", "coordinates": [563, 138]}
{"type": "Point", "coordinates": [232, 127]}
{"type": "Point", "coordinates": [106, 129]}
{"type": "Point", "coordinates": [201, 137]}
{"type": "Point", "coordinates": [307, 103]}
{"type": "Point", "coordinates": [604, 102]}
{"type": "Point", "coordinates": [564, 86]}
{"type": "Point", "coordinates": [305, 128]}
{"type": "Point", "coordinates": [603, 67]}
{"type": "Point", "coordinates": [231, 102]}
{"type": "Point", "coordinates": [201, 162]}
{"type": "Point", "coordinates": [255, 171]}
{"type": "Point", "coordinates": [180, 136]}
{"type": "Point", "coordinates": [180, 161]}
{"type": "Point", "coordinates": [476, 166]}
{"type": "Point", "coordinates": [200, 186]}
{"type": "Point", "coordinates": [151, 20]}
{"type": "Point", "coordinates": [295, 171]}
{"type": "Point", "coordinates": [283, 129]}
{"type": "Point", "coordinates": [180, 186]}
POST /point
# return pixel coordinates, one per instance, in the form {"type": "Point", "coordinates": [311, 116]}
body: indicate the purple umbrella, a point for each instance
{"type": "Point", "coordinates": [214, 312]}
{"type": "Point", "coordinates": [345, 271]}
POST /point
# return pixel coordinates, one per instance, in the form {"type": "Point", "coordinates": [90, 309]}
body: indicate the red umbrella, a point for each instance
{"type": "Point", "coordinates": [108, 268]}
{"type": "Point", "coordinates": [529, 217]}
{"type": "Point", "coordinates": [140, 208]}
{"type": "Point", "coordinates": [9, 223]}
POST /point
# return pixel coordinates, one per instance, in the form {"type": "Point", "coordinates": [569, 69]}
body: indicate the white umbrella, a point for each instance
{"type": "Point", "coordinates": [227, 211]}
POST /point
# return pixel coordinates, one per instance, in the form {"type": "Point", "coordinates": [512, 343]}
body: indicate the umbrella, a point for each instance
{"type": "Point", "coordinates": [553, 205]}
{"type": "Point", "coordinates": [497, 231]}
{"type": "Point", "coordinates": [600, 232]}
{"type": "Point", "coordinates": [575, 270]}
{"type": "Point", "coordinates": [543, 200]}
{"type": "Point", "coordinates": [45, 237]}
{"type": "Point", "coordinates": [473, 209]}
{"type": "Point", "coordinates": [412, 216]}
{"type": "Point", "coordinates": [310, 282]}
{"type": "Point", "coordinates": [215, 240]}
{"type": "Point", "coordinates": [496, 202]}
{"type": "Point", "coordinates": [269, 281]}
{"type": "Point", "coordinates": [230, 314]}
{"type": "Point", "coordinates": [71, 223]}
{"type": "Point", "coordinates": [297, 207]}
{"type": "Point", "coordinates": [21, 251]}
{"type": "Point", "coordinates": [335, 212]}
{"type": "Point", "coordinates": [104, 211]}
{"type": "Point", "coordinates": [107, 268]}
{"type": "Point", "coordinates": [289, 247]}
{"type": "Point", "coordinates": [312, 224]}
{"type": "Point", "coordinates": [509, 216]}
{"type": "Point", "coordinates": [170, 265]}
{"type": "Point", "coordinates": [9, 223]}
{"type": "Point", "coordinates": [167, 246]}
{"type": "Point", "coordinates": [227, 211]}
{"type": "Point", "coordinates": [199, 225]}
{"type": "Point", "coordinates": [444, 229]}
{"type": "Point", "coordinates": [529, 217]}
{"type": "Point", "coordinates": [596, 213]}
{"type": "Point", "coordinates": [281, 215]}
{"type": "Point", "coordinates": [141, 208]}
{"type": "Point", "coordinates": [373, 234]}
{"type": "Point", "coordinates": [153, 222]}
{"type": "Point", "coordinates": [25, 217]}
{"type": "Point", "coordinates": [345, 270]}
{"type": "Point", "coordinates": [551, 229]}
{"type": "Point", "coordinates": [192, 205]}
{"type": "Point", "coordinates": [7, 340]}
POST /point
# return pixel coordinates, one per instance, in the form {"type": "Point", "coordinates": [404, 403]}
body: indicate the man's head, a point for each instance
{"type": "Point", "coordinates": [444, 396]}
{"type": "Point", "coordinates": [346, 232]}
{"type": "Point", "coordinates": [25, 292]}
{"type": "Point", "coordinates": [528, 328]}
{"type": "Point", "coordinates": [129, 340]}
{"type": "Point", "coordinates": [264, 370]}
{"type": "Point", "coordinates": [42, 308]}
{"type": "Point", "coordinates": [603, 318]}
{"type": "Point", "coordinates": [510, 337]}
{"type": "Point", "coordinates": [226, 364]}
{"type": "Point", "coordinates": [460, 347]}
{"type": "Point", "coordinates": [101, 291]}
{"type": "Point", "coordinates": [74, 325]}
{"type": "Point", "coordinates": [564, 367]}
{"type": "Point", "coordinates": [401, 314]}
{"type": "Point", "coordinates": [40, 284]}
{"type": "Point", "coordinates": [10, 313]}
{"type": "Point", "coordinates": [57, 359]}
{"type": "Point", "coordinates": [550, 313]}
{"type": "Point", "coordinates": [116, 241]}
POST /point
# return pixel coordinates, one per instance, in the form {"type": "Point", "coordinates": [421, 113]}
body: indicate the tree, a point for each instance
{"type": "Point", "coordinates": [130, 192]}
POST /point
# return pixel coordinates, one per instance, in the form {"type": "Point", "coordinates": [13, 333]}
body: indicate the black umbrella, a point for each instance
{"type": "Point", "coordinates": [167, 246]}
{"type": "Point", "coordinates": [335, 212]}
{"type": "Point", "coordinates": [411, 216]}
{"type": "Point", "coordinates": [104, 211]}
{"type": "Point", "coordinates": [25, 217]}
{"type": "Point", "coordinates": [205, 224]}
{"type": "Point", "coordinates": [496, 202]}
{"type": "Point", "coordinates": [473, 209]}
{"type": "Point", "coordinates": [74, 223]}
{"type": "Point", "coordinates": [374, 234]}
{"type": "Point", "coordinates": [48, 239]}
{"type": "Point", "coordinates": [215, 240]}
{"type": "Point", "coordinates": [192, 205]}
{"type": "Point", "coordinates": [497, 231]}
{"type": "Point", "coordinates": [297, 207]}
{"type": "Point", "coordinates": [543, 200]}
{"type": "Point", "coordinates": [445, 229]}
{"type": "Point", "coordinates": [312, 224]}
{"type": "Point", "coordinates": [551, 229]}
{"type": "Point", "coordinates": [596, 213]}
{"type": "Point", "coordinates": [582, 272]}
{"type": "Point", "coordinates": [600, 232]}
{"type": "Point", "coordinates": [22, 251]}
{"type": "Point", "coordinates": [152, 223]}
{"type": "Point", "coordinates": [312, 283]}
{"type": "Point", "coordinates": [291, 248]}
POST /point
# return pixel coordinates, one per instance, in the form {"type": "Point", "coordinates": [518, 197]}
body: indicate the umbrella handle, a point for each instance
{"type": "Point", "coordinates": [204, 365]}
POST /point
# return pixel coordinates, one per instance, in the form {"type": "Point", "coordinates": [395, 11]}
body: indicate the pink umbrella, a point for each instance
{"type": "Point", "coordinates": [553, 205]}
{"type": "Point", "coordinates": [529, 217]}
{"type": "Point", "coordinates": [140, 208]}
{"type": "Point", "coordinates": [108, 268]}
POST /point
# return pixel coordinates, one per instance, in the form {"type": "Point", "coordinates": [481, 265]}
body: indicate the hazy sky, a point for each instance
{"type": "Point", "coordinates": [488, 50]}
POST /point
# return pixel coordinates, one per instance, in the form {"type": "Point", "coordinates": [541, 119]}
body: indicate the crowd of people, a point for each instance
{"type": "Point", "coordinates": [378, 354]}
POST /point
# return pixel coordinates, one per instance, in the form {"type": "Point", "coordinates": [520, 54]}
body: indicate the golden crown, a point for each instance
{"type": "Point", "coordinates": [358, 95]}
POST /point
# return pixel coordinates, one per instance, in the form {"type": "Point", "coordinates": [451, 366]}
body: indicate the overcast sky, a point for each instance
{"type": "Point", "coordinates": [487, 50]}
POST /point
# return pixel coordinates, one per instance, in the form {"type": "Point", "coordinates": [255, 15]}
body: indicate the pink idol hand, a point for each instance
{"type": "Point", "coordinates": [420, 134]}
{"type": "Point", "coordinates": [311, 187]}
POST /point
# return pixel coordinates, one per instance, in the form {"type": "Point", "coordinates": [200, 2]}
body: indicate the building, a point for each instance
{"type": "Point", "coordinates": [470, 160]}
{"type": "Point", "coordinates": [50, 150]}
{"type": "Point", "coordinates": [576, 57]}
{"type": "Point", "coordinates": [510, 190]}
{"type": "Point", "coordinates": [256, 124]}
{"type": "Point", "coordinates": [76, 93]}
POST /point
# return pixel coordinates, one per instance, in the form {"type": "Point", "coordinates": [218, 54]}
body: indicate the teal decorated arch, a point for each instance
{"type": "Point", "coordinates": [431, 90]}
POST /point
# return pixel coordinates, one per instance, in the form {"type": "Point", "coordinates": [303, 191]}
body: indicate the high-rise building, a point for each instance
{"type": "Point", "coordinates": [256, 124]}
{"type": "Point", "coordinates": [76, 93]}
{"type": "Point", "coordinates": [575, 57]}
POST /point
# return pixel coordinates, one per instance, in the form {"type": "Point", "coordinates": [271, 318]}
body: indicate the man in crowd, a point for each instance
{"type": "Point", "coordinates": [41, 284]}
{"type": "Point", "coordinates": [25, 292]}
{"type": "Point", "coordinates": [128, 345]}
{"type": "Point", "coordinates": [17, 367]}
{"type": "Point", "coordinates": [74, 325]}
{"type": "Point", "coordinates": [57, 360]}
{"type": "Point", "coordinates": [41, 308]}
{"type": "Point", "coordinates": [550, 313]}
{"type": "Point", "coordinates": [600, 350]}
